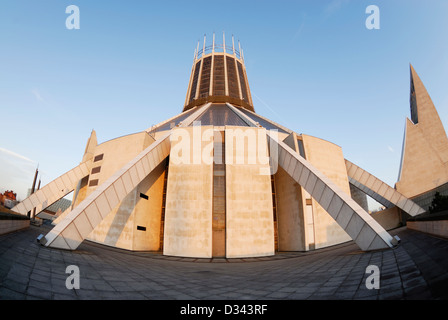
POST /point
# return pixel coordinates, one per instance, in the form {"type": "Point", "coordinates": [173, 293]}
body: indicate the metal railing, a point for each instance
{"type": "Point", "coordinates": [214, 47]}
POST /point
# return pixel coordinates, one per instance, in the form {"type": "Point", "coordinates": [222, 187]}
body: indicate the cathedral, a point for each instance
{"type": "Point", "coordinates": [221, 180]}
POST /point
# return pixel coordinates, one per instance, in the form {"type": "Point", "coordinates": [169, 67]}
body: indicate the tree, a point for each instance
{"type": "Point", "coordinates": [439, 203]}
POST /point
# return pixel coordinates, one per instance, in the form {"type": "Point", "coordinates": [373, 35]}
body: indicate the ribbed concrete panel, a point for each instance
{"type": "Point", "coordinates": [347, 213]}
{"type": "Point", "coordinates": [297, 172]}
{"type": "Point", "coordinates": [66, 181]}
{"type": "Point", "coordinates": [119, 188]}
{"type": "Point", "coordinates": [71, 236]}
{"type": "Point", "coordinates": [377, 241]}
{"type": "Point", "coordinates": [380, 191]}
{"type": "Point", "coordinates": [20, 207]}
{"type": "Point", "coordinates": [59, 184]}
{"type": "Point", "coordinates": [83, 225]}
{"type": "Point", "coordinates": [78, 224]}
{"type": "Point", "coordinates": [34, 200]}
{"type": "Point", "coordinates": [47, 193]}
{"type": "Point", "coordinates": [72, 177]}
{"type": "Point", "coordinates": [93, 214]}
{"type": "Point", "coordinates": [325, 199]}
{"type": "Point", "coordinates": [102, 204]}
{"type": "Point", "coordinates": [54, 190]}
{"type": "Point", "coordinates": [60, 243]}
{"type": "Point", "coordinates": [368, 235]}
{"type": "Point", "coordinates": [140, 170]}
{"type": "Point", "coordinates": [77, 172]}
{"type": "Point", "coordinates": [127, 181]}
{"type": "Point", "coordinates": [344, 217]}
{"type": "Point", "coordinates": [41, 197]}
{"type": "Point", "coordinates": [319, 190]}
{"type": "Point", "coordinates": [111, 196]}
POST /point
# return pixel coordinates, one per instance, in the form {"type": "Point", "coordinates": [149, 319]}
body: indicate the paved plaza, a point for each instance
{"type": "Point", "coordinates": [416, 269]}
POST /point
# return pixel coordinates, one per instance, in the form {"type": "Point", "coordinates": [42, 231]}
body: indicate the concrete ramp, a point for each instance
{"type": "Point", "coordinates": [359, 225]}
{"type": "Point", "coordinates": [54, 190]}
{"type": "Point", "coordinates": [380, 191]}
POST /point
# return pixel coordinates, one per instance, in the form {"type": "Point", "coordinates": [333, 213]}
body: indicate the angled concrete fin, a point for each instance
{"type": "Point", "coordinates": [379, 190]}
{"type": "Point", "coordinates": [71, 231]}
{"type": "Point", "coordinates": [359, 225]}
{"type": "Point", "coordinates": [55, 190]}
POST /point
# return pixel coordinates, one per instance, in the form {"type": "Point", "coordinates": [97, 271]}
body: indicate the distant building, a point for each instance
{"type": "Point", "coordinates": [218, 180]}
{"type": "Point", "coordinates": [54, 210]}
{"type": "Point", "coordinates": [8, 199]}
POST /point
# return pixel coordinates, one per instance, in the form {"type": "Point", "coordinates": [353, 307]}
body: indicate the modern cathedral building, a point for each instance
{"type": "Point", "coordinates": [220, 180]}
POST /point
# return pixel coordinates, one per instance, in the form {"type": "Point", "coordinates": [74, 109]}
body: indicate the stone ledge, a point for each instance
{"type": "Point", "coordinates": [438, 227]}
{"type": "Point", "coordinates": [10, 216]}
{"type": "Point", "coordinates": [7, 226]}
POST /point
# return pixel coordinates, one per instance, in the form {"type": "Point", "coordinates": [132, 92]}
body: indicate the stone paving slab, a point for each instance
{"type": "Point", "coordinates": [416, 269]}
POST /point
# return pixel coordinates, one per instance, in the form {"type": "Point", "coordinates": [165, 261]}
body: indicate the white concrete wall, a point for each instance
{"type": "Point", "coordinates": [119, 228]}
{"type": "Point", "coordinates": [438, 228]}
{"type": "Point", "coordinates": [116, 153]}
{"type": "Point", "coordinates": [148, 213]}
{"type": "Point", "coordinates": [249, 213]}
{"type": "Point", "coordinates": [188, 211]}
{"type": "Point", "coordinates": [7, 226]}
{"type": "Point", "coordinates": [290, 215]}
{"type": "Point", "coordinates": [389, 218]}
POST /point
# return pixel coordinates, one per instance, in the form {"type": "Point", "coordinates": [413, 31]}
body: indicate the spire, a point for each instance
{"type": "Point", "coordinates": [33, 187]}
{"type": "Point", "coordinates": [239, 47]}
{"type": "Point", "coordinates": [224, 41]}
{"type": "Point", "coordinates": [197, 52]}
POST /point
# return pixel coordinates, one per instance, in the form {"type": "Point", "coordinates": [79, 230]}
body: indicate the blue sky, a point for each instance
{"type": "Point", "coordinates": [313, 67]}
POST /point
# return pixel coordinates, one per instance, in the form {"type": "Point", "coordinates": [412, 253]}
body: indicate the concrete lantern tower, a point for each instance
{"type": "Point", "coordinates": [218, 75]}
{"type": "Point", "coordinates": [218, 180]}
